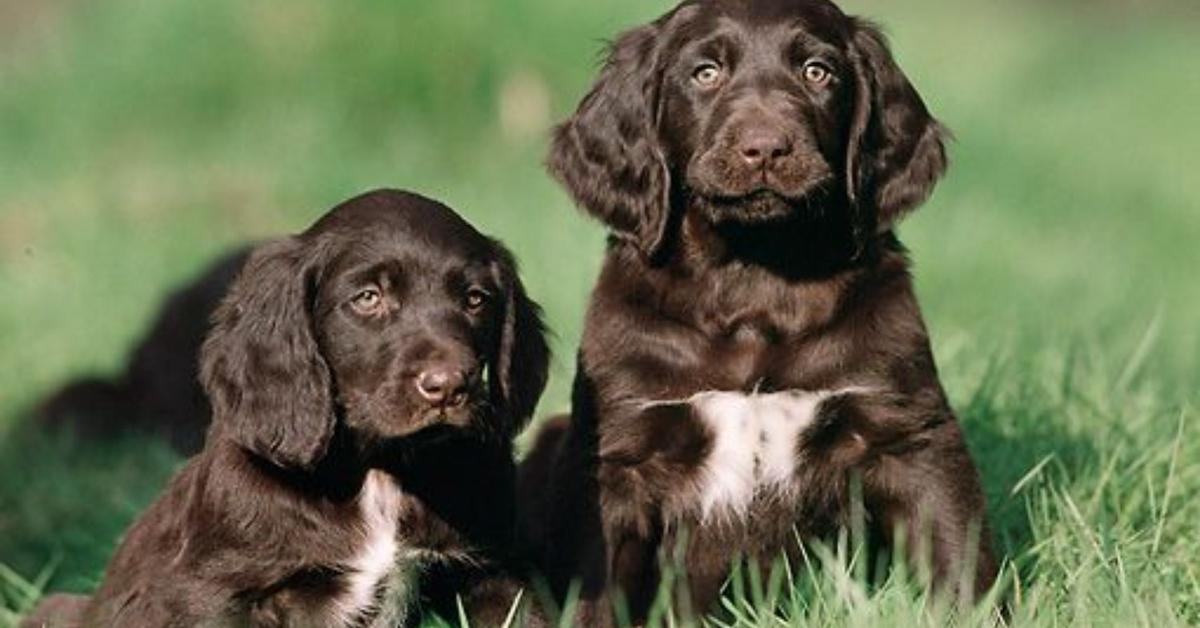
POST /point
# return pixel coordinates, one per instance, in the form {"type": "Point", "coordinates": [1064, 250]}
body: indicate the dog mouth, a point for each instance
{"type": "Point", "coordinates": [391, 418]}
{"type": "Point", "coordinates": [460, 414]}
{"type": "Point", "coordinates": [736, 192]}
{"type": "Point", "coordinates": [457, 416]}
{"type": "Point", "coordinates": [765, 204]}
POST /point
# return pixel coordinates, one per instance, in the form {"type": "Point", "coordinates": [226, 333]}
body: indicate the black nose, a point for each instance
{"type": "Point", "coordinates": [761, 146]}
{"type": "Point", "coordinates": [442, 387]}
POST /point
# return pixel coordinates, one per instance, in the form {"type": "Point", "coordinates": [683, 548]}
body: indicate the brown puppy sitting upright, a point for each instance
{"type": "Point", "coordinates": [366, 377]}
{"type": "Point", "coordinates": [753, 344]}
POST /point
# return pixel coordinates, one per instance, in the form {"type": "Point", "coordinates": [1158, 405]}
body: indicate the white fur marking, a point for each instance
{"type": "Point", "coordinates": [755, 440]}
{"type": "Point", "coordinates": [379, 503]}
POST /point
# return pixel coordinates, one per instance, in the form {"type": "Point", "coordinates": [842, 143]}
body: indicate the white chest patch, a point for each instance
{"type": "Point", "coordinates": [755, 446]}
{"type": "Point", "coordinates": [375, 563]}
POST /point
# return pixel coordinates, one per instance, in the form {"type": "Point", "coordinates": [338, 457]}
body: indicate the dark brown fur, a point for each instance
{"type": "Point", "coordinates": [159, 392]}
{"type": "Point", "coordinates": [315, 396]}
{"type": "Point", "coordinates": [728, 272]}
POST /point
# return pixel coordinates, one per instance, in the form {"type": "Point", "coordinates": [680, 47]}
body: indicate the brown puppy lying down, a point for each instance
{"type": "Point", "coordinates": [159, 392]}
{"type": "Point", "coordinates": [367, 377]}
{"type": "Point", "coordinates": [753, 346]}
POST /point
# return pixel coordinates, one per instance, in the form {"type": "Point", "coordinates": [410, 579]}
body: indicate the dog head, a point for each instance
{"type": "Point", "coordinates": [388, 316]}
{"type": "Point", "coordinates": [752, 112]}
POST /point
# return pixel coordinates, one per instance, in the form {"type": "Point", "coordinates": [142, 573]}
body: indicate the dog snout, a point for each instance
{"type": "Point", "coordinates": [759, 151]}
{"type": "Point", "coordinates": [760, 146]}
{"type": "Point", "coordinates": [443, 386]}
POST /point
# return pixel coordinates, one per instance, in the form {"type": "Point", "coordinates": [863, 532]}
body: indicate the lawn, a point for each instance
{"type": "Point", "coordinates": [1057, 264]}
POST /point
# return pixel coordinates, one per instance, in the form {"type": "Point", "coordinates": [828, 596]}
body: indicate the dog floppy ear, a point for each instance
{"type": "Point", "coordinates": [521, 359]}
{"type": "Point", "coordinates": [260, 365]}
{"type": "Point", "coordinates": [608, 154]}
{"type": "Point", "coordinates": [896, 152]}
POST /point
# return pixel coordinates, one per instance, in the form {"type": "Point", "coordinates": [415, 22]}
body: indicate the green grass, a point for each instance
{"type": "Point", "coordinates": [1056, 265]}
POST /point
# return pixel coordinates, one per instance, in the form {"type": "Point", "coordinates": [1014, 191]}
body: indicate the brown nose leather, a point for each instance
{"type": "Point", "coordinates": [761, 146]}
{"type": "Point", "coordinates": [442, 387]}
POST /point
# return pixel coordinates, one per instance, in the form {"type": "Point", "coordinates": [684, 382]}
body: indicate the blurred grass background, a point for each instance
{"type": "Point", "coordinates": [1057, 264]}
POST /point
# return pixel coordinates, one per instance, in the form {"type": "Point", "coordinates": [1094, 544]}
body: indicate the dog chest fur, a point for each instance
{"type": "Point", "coordinates": [376, 583]}
{"type": "Point", "coordinates": [754, 446]}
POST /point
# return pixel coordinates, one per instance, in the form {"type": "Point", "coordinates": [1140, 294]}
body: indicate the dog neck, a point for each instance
{"type": "Point", "coordinates": [338, 476]}
{"type": "Point", "coordinates": [799, 248]}
{"type": "Point", "coordinates": [783, 277]}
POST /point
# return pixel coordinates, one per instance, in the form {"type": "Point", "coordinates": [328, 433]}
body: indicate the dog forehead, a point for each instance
{"type": "Point", "coordinates": [815, 17]}
{"type": "Point", "coordinates": [405, 261]}
{"type": "Point", "coordinates": [397, 212]}
{"type": "Point", "coordinates": [393, 223]}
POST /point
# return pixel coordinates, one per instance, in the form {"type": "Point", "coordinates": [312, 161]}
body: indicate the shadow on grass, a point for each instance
{"type": "Point", "coordinates": [1016, 426]}
{"type": "Point", "coordinates": [67, 501]}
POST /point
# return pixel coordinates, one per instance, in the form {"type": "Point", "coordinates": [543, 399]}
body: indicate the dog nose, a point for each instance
{"type": "Point", "coordinates": [442, 387]}
{"type": "Point", "coordinates": [761, 146]}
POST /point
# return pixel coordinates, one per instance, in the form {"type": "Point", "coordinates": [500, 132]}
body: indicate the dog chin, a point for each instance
{"type": "Point", "coordinates": [763, 206]}
{"type": "Point", "coordinates": [421, 423]}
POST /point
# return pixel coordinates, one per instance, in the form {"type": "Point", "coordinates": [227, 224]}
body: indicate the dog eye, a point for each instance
{"type": "Point", "coordinates": [366, 301]}
{"type": "Point", "coordinates": [817, 73]}
{"type": "Point", "coordinates": [476, 299]}
{"type": "Point", "coordinates": [707, 74]}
